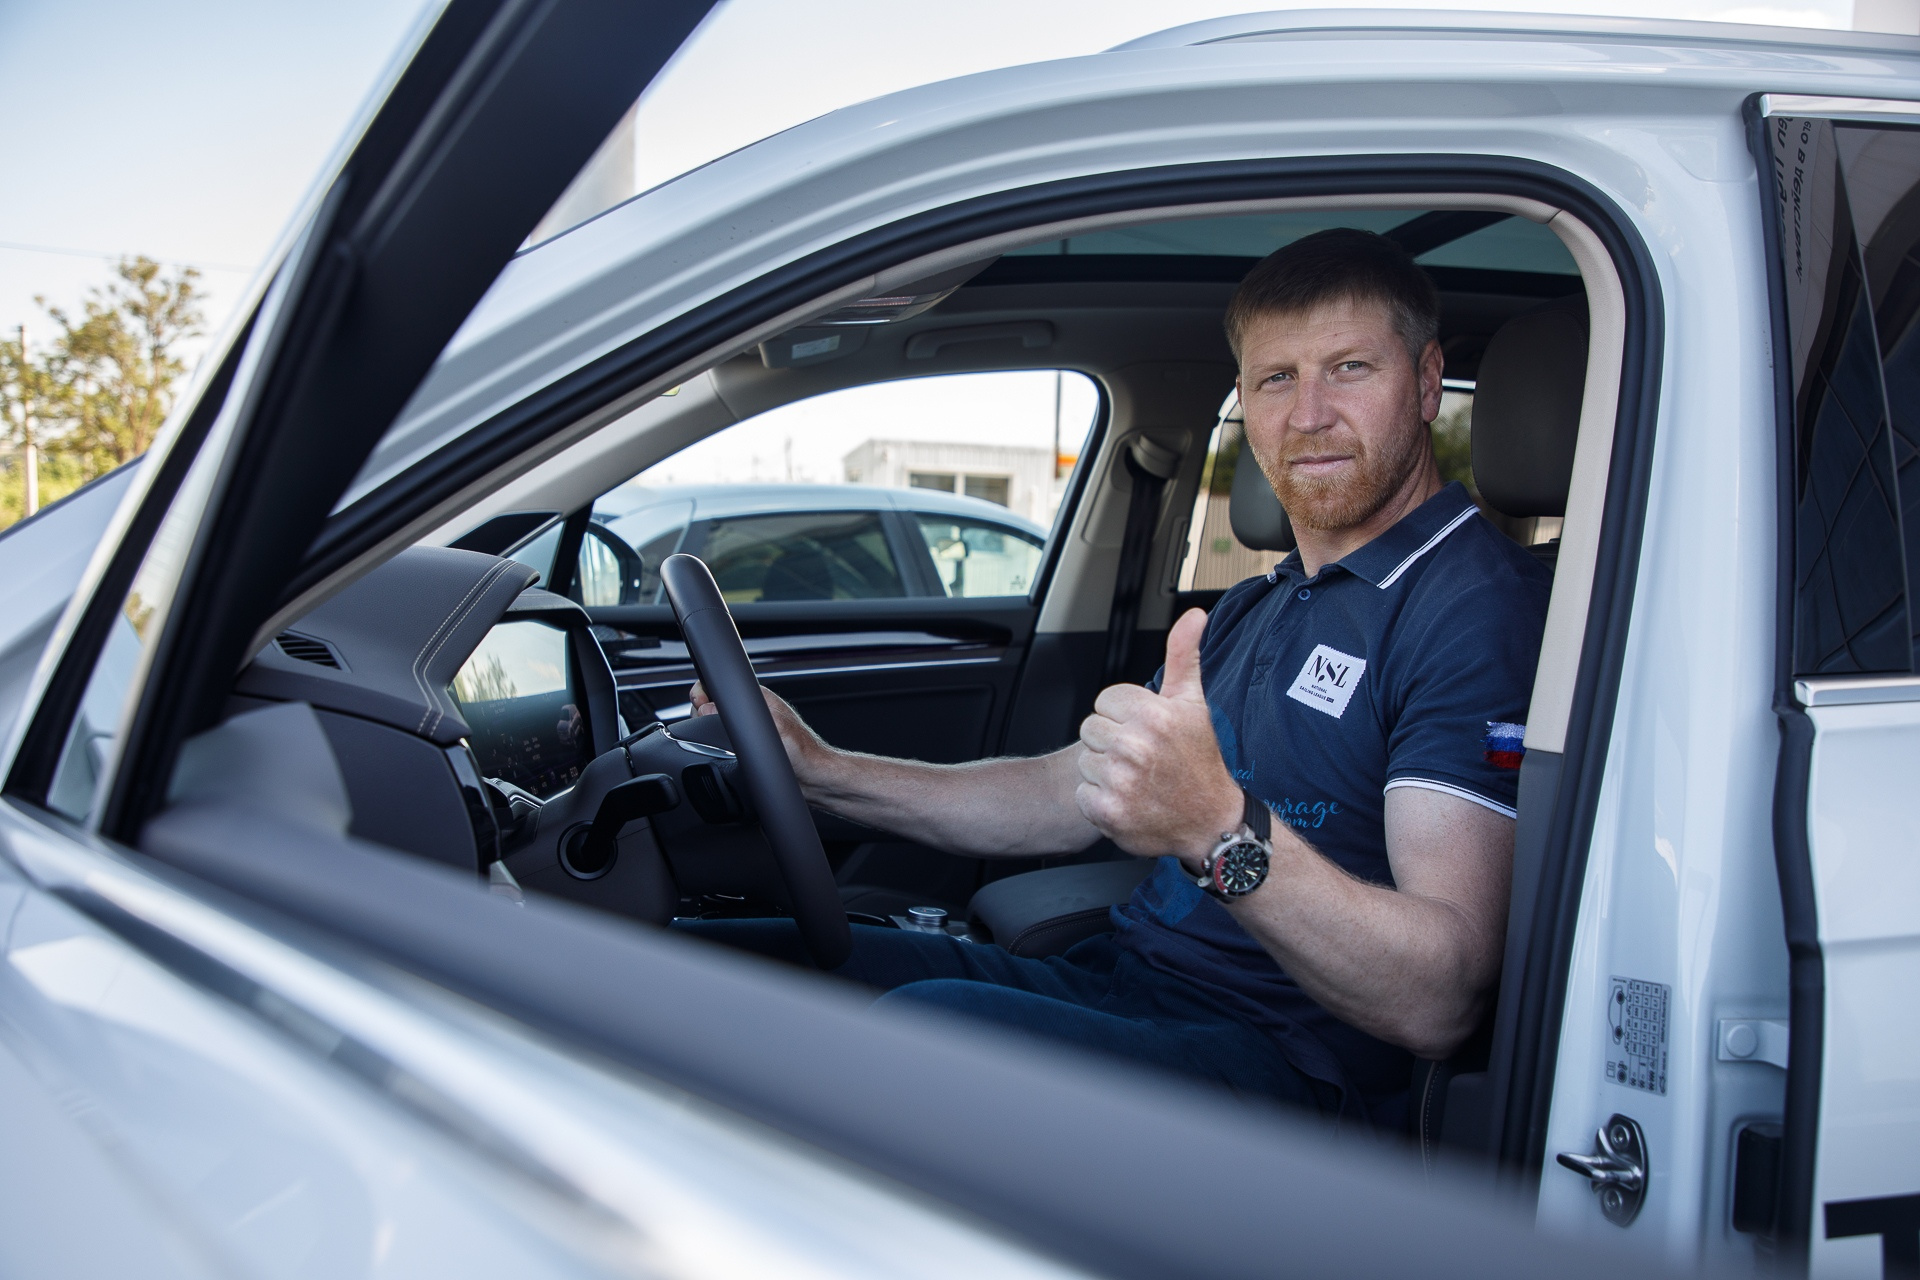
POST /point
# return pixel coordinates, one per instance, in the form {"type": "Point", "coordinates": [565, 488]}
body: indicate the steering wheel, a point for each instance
{"type": "Point", "coordinates": [727, 675]}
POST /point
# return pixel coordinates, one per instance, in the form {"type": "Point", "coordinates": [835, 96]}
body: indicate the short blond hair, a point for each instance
{"type": "Point", "coordinates": [1341, 264]}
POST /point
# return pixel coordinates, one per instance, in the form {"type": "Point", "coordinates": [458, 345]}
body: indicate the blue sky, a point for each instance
{"type": "Point", "coordinates": [185, 132]}
{"type": "Point", "coordinates": [189, 132]}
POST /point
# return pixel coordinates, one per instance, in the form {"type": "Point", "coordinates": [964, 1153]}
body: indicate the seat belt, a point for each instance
{"type": "Point", "coordinates": [1150, 465]}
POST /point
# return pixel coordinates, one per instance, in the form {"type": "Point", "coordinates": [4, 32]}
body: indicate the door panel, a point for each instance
{"type": "Point", "coordinates": [921, 678]}
{"type": "Point", "coordinates": [1850, 879]}
{"type": "Point", "coordinates": [1863, 834]}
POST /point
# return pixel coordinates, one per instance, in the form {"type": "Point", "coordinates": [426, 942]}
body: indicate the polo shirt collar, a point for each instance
{"type": "Point", "coordinates": [1383, 561]}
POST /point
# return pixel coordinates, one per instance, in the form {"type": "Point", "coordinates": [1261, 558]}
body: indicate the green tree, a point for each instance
{"type": "Point", "coordinates": [117, 363]}
{"type": "Point", "coordinates": [33, 407]}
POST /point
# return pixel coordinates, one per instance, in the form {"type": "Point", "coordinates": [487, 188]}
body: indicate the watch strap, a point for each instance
{"type": "Point", "coordinates": [1258, 817]}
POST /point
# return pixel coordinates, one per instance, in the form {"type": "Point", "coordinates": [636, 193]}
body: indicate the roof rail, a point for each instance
{"type": "Point", "coordinates": [1280, 23]}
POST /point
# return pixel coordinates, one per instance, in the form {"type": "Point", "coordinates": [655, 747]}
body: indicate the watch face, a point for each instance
{"type": "Point", "coordinates": [1240, 868]}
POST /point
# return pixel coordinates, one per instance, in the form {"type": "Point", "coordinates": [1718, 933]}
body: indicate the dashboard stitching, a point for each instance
{"type": "Point", "coordinates": [430, 719]}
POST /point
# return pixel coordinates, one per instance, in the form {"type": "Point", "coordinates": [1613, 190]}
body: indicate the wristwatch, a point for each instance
{"type": "Point", "coordinates": [1238, 864]}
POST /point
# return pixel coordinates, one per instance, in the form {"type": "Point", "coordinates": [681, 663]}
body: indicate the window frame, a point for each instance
{"type": "Point", "coordinates": [1588, 639]}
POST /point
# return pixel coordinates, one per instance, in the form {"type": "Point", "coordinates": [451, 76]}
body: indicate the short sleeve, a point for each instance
{"type": "Point", "coordinates": [1462, 698]}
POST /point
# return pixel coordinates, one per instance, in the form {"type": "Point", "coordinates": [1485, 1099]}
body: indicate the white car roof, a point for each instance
{"type": "Point", "coordinates": [571, 300]}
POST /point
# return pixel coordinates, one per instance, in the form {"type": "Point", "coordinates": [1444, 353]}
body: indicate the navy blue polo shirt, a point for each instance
{"type": "Point", "coordinates": [1407, 663]}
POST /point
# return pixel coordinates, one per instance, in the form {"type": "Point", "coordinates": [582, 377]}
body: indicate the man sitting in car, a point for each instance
{"type": "Point", "coordinates": [1362, 702]}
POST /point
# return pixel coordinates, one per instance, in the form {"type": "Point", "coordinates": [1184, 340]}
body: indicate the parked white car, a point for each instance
{"type": "Point", "coordinates": [330, 887]}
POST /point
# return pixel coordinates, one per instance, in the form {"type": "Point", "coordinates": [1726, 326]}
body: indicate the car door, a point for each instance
{"type": "Point", "coordinates": [156, 1123]}
{"type": "Point", "coordinates": [1848, 1142]}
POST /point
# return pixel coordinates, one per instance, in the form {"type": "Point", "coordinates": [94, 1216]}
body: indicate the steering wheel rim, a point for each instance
{"type": "Point", "coordinates": [727, 675]}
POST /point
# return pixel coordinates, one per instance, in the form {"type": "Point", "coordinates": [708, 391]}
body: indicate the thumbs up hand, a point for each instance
{"type": "Point", "coordinates": [1180, 678]}
{"type": "Point", "coordinates": [1152, 777]}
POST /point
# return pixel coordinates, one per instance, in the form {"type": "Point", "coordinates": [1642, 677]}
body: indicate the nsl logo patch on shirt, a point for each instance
{"type": "Point", "coordinates": [1327, 682]}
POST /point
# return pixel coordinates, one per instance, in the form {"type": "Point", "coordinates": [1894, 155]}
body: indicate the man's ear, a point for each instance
{"type": "Point", "coordinates": [1432, 365]}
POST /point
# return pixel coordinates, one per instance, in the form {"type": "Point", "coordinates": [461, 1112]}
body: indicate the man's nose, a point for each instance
{"type": "Point", "coordinates": [1312, 408]}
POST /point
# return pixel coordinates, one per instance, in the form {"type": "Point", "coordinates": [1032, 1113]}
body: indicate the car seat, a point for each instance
{"type": "Point", "coordinates": [1526, 412]}
{"type": "Point", "coordinates": [1526, 416]}
{"type": "Point", "coordinates": [798, 573]}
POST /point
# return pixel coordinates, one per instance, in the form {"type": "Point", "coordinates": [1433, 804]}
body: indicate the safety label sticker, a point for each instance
{"type": "Point", "coordinates": [1637, 1034]}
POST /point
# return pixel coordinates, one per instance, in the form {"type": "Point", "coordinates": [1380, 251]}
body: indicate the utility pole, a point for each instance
{"type": "Point", "coordinates": [29, 447]}
{"type": "Point", "coordinates": [1058, 378]}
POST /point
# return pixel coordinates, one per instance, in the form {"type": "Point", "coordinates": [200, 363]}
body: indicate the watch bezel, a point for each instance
{"type": "Point", "coordinates": [1218, 861]}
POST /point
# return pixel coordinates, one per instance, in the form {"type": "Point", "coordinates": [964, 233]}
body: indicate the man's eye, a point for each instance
{"type": "Point", "coordinates": [1352, 366]}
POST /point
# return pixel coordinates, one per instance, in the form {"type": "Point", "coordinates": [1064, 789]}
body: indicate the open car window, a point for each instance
{"type": "Point", "coordinates": [974, 558]}
{"type": "Point", "coordinates": [942, 487]}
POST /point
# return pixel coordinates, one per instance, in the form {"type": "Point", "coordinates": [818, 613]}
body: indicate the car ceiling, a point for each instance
{"type": "Point", "coordinates": [1097, 303]}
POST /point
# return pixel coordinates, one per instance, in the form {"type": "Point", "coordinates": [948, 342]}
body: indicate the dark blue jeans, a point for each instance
{"type": "Point", "coordinates": [1096, 996]}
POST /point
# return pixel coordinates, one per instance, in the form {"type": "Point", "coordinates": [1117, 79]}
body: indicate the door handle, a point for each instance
{"type": "Point", "coordinates": [1617, 1169]}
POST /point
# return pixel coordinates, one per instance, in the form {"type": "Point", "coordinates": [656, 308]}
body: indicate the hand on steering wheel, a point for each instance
{"type": "Point", "coordinates": [727, 676]}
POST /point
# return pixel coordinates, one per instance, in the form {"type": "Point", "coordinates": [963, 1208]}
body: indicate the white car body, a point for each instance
{"type": "Point", "coordinates": [222, 1135]}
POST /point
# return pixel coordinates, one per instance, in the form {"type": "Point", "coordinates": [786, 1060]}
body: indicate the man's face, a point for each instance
{"type": "Point", "coordinates": [1336, 410]}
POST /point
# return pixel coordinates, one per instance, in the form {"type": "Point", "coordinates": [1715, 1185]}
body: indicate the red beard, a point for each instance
{"type": "Point", "coordinates": [1352, 497]}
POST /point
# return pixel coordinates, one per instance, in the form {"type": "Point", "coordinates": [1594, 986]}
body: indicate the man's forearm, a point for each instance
{"type": "Point", "coordinates": [989, 808]}
{"type": "Point", "coordinates": [1380, 959]}
{"type": "Point", "coordinates": [1413, 964]}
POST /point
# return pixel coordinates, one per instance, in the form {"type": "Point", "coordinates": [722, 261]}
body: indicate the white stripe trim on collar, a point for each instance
{"type": "Point", "coordinates": [1447, 788]}
{"type": "Point", "coordinates": [1429, 545]}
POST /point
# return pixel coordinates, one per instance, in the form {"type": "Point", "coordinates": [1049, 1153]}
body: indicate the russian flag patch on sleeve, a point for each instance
{"type": "Point", "coordinates": [1505, 744]}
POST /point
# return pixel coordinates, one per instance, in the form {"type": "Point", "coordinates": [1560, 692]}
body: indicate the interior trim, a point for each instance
{"type": "Point", "coordinates": [1553, 684]}
{"type": "Point", "coordinates": [974, 251]}
{"type": "Point", "coordinates": [911, 665]}
{"type": "Point", "coordinates": [1560, 790]}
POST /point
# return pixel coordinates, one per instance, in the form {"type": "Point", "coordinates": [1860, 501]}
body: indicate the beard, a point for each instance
{"type": "Point", "coordinates": [1342, 501]}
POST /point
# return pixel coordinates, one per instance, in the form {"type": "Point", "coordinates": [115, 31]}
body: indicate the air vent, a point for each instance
{"type": "Point", "coordinates": [306, 649]}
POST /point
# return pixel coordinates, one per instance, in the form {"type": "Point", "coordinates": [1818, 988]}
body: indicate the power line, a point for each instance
{"type": "Point", "coordinates": [118, 257]}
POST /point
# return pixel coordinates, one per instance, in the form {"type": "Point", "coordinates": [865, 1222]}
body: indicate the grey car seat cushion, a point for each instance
{"type": "Point", "coordinates": [1255, 514]}
{"type": "Point", "coordinates": [1042, 913]}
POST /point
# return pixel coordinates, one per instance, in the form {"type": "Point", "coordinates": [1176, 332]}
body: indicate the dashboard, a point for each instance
{"type": "Point", "coordinates": [434, 673]}
{"type": "Point", "coordinates": [474, 721]}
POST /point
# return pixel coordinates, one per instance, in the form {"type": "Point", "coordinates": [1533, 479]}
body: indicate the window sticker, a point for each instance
{"type": "Point", "coordinates": [1637, 1039]}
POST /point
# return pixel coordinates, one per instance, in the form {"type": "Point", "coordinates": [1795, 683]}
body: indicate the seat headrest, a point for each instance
{"type": "Point", "coordinates": [1253, 511]}
{"type": "Point", "coordinates": [1526, 409]}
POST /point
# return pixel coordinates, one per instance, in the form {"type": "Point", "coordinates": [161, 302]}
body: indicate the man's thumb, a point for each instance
{"type": "Point", "coordinates": [1181, 678]}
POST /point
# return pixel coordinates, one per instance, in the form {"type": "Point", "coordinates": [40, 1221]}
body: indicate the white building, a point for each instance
{"type": "Point", "coordinates": [1018, 477]}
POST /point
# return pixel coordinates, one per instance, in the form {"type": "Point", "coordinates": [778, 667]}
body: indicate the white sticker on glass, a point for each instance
{"type": "Point", "coordinates": [1328, 680]}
